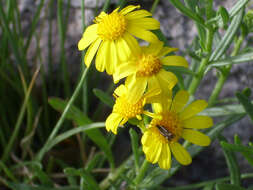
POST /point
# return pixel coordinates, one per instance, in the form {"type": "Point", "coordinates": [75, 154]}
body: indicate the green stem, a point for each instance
{"type": "Point", "coordinates": [197, 79]}
{"type": "Point", "coordinates": [224, 75]}
{"type": "Point", "coordinates": [63, 116]}
{"type": "Point", "coordinates": [142, 172]}
{"type": "Point", "coordinates": [154, 6]}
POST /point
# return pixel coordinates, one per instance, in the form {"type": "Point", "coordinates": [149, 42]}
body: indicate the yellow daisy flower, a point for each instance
{"type": "Point", "coordinates": [112, 36]}
{"type": "Point", "coordinates": [145, 68]}
{"type": "Point", "coordinates": [178, 121]}
{"type": "Point", "coordinates": [123, 110]}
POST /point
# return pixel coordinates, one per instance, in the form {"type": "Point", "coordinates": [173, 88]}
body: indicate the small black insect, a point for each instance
{"type": "Point", "coordinates": [168, 135]}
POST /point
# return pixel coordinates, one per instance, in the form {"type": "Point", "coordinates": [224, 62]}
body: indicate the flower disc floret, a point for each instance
{"type": "Point", "coordinates": [112, 26]}
{"type": "Point", "coordinates": [126, 109]}
{"type": "Point", "coordinates": [148, 65]}
{"type": "Point", "coordinates": [171, 124]}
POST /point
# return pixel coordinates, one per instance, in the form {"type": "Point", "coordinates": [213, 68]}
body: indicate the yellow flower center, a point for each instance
{"type": "Point", "coordinates": [126, 109]}
{"type": "Point", "coordinates": [169, 127]}
{"type": "Point", "coordinates": [148, 65]}
{"type": "Point", "coordinates": [112, 26]}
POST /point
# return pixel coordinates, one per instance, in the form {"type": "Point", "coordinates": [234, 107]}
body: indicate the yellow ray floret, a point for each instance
{"type": "Point", "coordinates": [112, 36]}
{"type": "Point", "coordinates": [123, 109]}
{"type": "Point", "coordinates": [178, 121]}
{"type": "Point", "coordinates": [145, 68]}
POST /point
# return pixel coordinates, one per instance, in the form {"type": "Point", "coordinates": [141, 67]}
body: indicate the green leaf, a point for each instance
{"type": "Point", "coordinates": [89, 180]}
{"type": "Point", "coordinates": [74, 131]}
{"type": "Point", "coordinates": [73, 114]}
{"type": "Point", "coordinates": [234, 171]}
{"type": "Point", "coordinates": [228, 37]}
{"type": "Point", "coordinates": [180, 70]}
{"type": "Point", "coordinates": [188, 12]}
{"type": "Point", "coordinates": [223, 110]}
{"type": "Point", "coordinates": [237, 148]}
{"type": "Point", "coordinates": [242, 58]}
{"type": "Point", "coordinates": [246, 103]}
{"type": "Point", "coordinates": [105, 98]}
{"type": "Point", "coordinates": [224, 186]}
{"type": "Point", "coordinates": [224, 16]}
{"type": "Point", "coordinates": [80, 119]}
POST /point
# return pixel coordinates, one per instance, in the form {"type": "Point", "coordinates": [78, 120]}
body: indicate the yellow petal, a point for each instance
{"type": "Point", "coordinates": [124, 70]}
{"type": "Point", "coordinates": [146, 138]}
{"type": "Point", "coordinates": [145, 23]}
{"type": "Point", "coordinates": [120, 90]}
{"type": "Point", "coordinates": [91, 52]}
{"type": "Point", "coordinates": [124, 50]}
{"type": "Point", "coordinates": [100, 59]}
{"type": "Point", "coordinates": [142, 34]}
{"type": "Point", "coordinates": [129, 9]}
{"type": "Point", "coordinates": [175, 60]}
{"type": "Point", "coordinates": [198, 122]}
{"type": "Point", "coordinates": [166, 78]}
{"type": "Point", "coordinates": [112, 122]}
{"type": "Point", "coordinates": [153, 48]}
{"type": "Point", "coordinates": [179, 152]}
{"type": "Point", "coordinates": [166, 50]}
{"type": "Point", "coordinates": [138, 14]}
{"type": "Point", "coordinates": [165, 157]}
{"type": "Point", "coordinates": [196, 137]}
{"type": "Point", "coordinates": [194, 108]}
{"type": "Point", "coordinates": [132, 43]}
{"type": "Point", "coordinates": [89, 36]}
{"type": "Point", "coordinates": [111, 58]}
{"type": "Point", "coordinates": [136, 88]}
{"type": "Point", "coordinates": [180, 100]}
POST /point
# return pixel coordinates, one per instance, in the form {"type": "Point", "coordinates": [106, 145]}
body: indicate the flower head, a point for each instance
{"type": "Point", "coordinates": [123, 109]}
{"type": "Point", "coordinates": [178, 121]}
{"type": "Point", "coordinates": [145, 68]}
{"type": "Point", "coordinates": [112, 36]}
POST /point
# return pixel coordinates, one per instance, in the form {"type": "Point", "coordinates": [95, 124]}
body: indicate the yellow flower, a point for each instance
{"type": "Point", "coordinates": [123, 110]}
{"type": "Point", "coordinates": [145, 68]}
{"type": "Point", "coordinates": [112, 36]}
{"type": "Point", "coordinates": [178, 121]}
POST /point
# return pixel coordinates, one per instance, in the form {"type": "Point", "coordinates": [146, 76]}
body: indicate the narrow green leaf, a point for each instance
{"type": "Point", "coordinates": [224, 15]}
{"type": "Point", "coordinates": [88, 179]}
{"type": "Point", "coordinates": [242, 58]}
{"type": "Point", "coordinates": [73, 114]}
{"type": "Point", "coordinates": [181, 70]}
{"type": "Point", "coordinates": [237, 148]}
{"type": "Point", "coordinates": [234, 171]}
{"type": "Point", "coordinates": [224, 186]}
{"type": "Point", "coordinates": [74, 131]}
{"type": "Point", "coordinates": [80, 119]}
{"type": "Point", "coordinates": [135, 149]}
{"type": "Point", "coordinates": [247, 154]}
{"type": "Point", "coordinates": [223, 110]}
{"type": "Point", "coordinates": [228, 37]}
{"type": "Point", "coordinates": [105, 98]}
{"type": "Point", "coordinates": [188, 12]}
{"type": "Point", "coordinates": [246, 103]}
